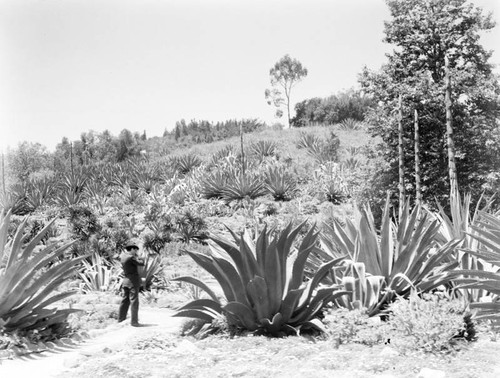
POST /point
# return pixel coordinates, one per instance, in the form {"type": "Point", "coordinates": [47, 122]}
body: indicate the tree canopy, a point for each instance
{"type": "Point", "coordinates": [424, 32]}
{"type": "Point", "coordinates": [284, 75]}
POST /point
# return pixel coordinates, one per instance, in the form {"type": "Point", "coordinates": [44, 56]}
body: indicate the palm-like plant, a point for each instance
{"type": "Point", "coordinates": [351, 124]}
{"type": "Point", "coordinates": [152, 269]}
{"type": "Point", "coordinates": [190, 227]}
{"type": "Point", "coordinates": [263, 149]}
{"type": "Point", "coordinates": [239, 186]}
{"type": "Point", "coordinates": [404, 253]}
{"type": "Point", "coordinates": [39, 191]}
{"type": "Point", "coordinates": [212, 184]}
{"type": "Point", "coordinates": [28, 279]}
{"type": "Point", "coordinates": [262, 279]}
{"type": "Point", "coordinates": [281, 184]}
{"type": "Point", "coordinates": [71, 192]}
{"type": "Point", "coordinates": [186, 163]}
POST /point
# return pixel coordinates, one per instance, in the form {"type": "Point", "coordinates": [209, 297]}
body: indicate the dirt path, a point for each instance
{"type": "Point", "coordinates": [65, 356]}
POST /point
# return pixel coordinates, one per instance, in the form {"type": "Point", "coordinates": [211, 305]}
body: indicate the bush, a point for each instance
{"type": "Point", "coordinates": [429, 323]}
{"type": "Point", "coordinates": [354, 326]}
{"type": "Point", "coordinates": [190, 227]}
{"type": "Point", "coordinates": [156, 241]}
{"type": "Point", "coordinates": [83, 222]}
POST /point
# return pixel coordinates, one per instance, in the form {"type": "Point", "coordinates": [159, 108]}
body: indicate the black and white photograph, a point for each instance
{"type": "Point", "coordinates": [250, 188]}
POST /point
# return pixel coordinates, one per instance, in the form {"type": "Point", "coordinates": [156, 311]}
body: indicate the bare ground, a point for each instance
{"type": "Point", "coordinates": [156, 350]}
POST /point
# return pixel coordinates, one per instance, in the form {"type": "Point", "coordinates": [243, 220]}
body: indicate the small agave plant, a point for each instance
{"type": "Point", "coordinates": [263, 282]}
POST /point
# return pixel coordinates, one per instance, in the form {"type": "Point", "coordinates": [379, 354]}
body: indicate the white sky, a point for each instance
{"type": "Point", "coordinates": [69, 66]}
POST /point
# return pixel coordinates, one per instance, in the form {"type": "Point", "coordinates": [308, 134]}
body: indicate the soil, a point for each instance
{"type": "Point", "coordinates": [67, 355]}
{"type": "Point", "coordinates": [157, 350]}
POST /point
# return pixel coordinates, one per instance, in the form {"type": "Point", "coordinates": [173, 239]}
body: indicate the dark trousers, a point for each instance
{"type": "Point", "coordinates": [130, 298]}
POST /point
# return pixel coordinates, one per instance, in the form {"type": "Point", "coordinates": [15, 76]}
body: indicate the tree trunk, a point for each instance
{"type": "Point", "coordinates": [452, 169]}
{"type": "Point", "coordinates": [242, 151]}
{"type": "Point", "coordinates": [288, 108]}
{"type": "Point", "coordinates": [71, 157]}
{"type": "Point", "coordinates": [401, 156]}
{"type": "Point", "coordinates": [418, 188]}
{"type": "Point", "coordinates": [3, 175]}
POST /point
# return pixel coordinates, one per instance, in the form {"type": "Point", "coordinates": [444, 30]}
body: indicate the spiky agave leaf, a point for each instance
{"type": "Point", "coordinates": [405, 253]}
{"type": "Point", "coordinates": [263, 280]}
{"type": "Point", "coordinates": [28, 280]}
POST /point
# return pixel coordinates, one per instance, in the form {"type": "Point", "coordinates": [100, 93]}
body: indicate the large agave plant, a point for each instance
{"type": "Point", "coordinates": [404, 253]}
{"type": "Point", "coordinates": [487, 233]}
{"type": "Point", "coordinates": [459, 226]}
{"type": "Point", "coordinates": [29, 278]}
{"type": "Point", "coordinates": [262, 279]}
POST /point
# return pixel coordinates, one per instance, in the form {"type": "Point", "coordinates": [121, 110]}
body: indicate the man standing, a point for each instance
{"type": "Point", "coordinates": [131, 283]}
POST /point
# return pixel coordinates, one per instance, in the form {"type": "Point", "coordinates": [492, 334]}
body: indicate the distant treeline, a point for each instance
{"type": "Point", "coordinates": [207, 132]}
{"type": "Point", "coordinates": [331, 110]}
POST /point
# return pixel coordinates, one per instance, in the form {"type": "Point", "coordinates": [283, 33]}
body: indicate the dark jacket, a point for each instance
{"type": "Point", "coordinates": [131, 274]}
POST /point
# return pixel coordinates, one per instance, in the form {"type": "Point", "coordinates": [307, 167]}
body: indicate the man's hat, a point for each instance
{"type": "Point", "coordinates": [131, 243]}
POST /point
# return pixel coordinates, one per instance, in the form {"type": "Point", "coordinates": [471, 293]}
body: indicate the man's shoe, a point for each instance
{"type": "Point", "coordinates": [135, 324]}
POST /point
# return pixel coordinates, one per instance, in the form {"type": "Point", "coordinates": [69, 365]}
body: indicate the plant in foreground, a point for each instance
{"type": "Point", "coordinates": [405, 253]}
{"type": "Point", "coordinates": [28, 279]}
{"type": "Point", "coordinates": [263, 283]}
{"type": "Point", "coordinates": [487, 233]}
{"type": "Point", "coordinates": [428, 323]}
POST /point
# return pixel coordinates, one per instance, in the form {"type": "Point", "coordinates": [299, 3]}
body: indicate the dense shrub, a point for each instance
{"type": "Point", "coordinates": [83, 222]}
{"type": "Point", "coordinates": [429, 323]}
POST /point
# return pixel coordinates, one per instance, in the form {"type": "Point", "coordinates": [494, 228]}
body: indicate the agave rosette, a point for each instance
{"type": "Point", "coordinates": [486, 230]}
{"type": "Point", "coordinates": [262, 280]}
{"type": "Point", "coordinates": [405, 254]}
{"type": "Point", "coordinates": [28, 279]}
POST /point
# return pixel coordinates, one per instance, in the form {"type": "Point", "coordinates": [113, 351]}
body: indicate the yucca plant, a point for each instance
{"type": "Point", "coordinates": [239, 186]}
{"type": "Point", "coordinates": [351, 124]}
{"type": "Point", "coordinates": [213, 184]}
{"type": "Point", "coordinates": [190, 227]}
{"type": "Point", "coordinates": [71, 192]}
{"type": "Point", "coordinates": [350, 164]}
{"type": "Point", "coordinates": [155, 241]}
{"type": "Point", "coordinates": [14, 199]}
{"type": "Point", "coordinates": [29, 278]}
{"type": "Point", "coordinates": [262, 279]}
{"type": "Point", "coordinates": [186, 163]}
{"type": "Point", "coordinates": [98, 275]}
{"type": "Point", "coordinates": [263, 149]}
{"type": "Point", "coordinates": [312, 144]}
{"type": "Point", "coordinates": [405, 253]}
{"type": "Point", "coordinates": [39, 192]}
{"type": "Point", "coordinates": [281, 184]}
{"type": "Point", "coordinates": [152, 269]}
{"type": "Point", "coordinates": [221, 154]}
